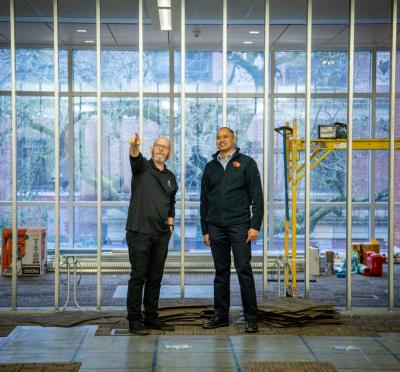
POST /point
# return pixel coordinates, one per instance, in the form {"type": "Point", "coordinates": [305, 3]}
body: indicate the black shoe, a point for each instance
{"type": "Point", "coordinates": [251, 326]}
{"type": "Point", "coordinates": [159, 325]}
{"type": "Point", "coordinates": [216, 322]}
{"type": "Point", "coordinates": [137, 327]}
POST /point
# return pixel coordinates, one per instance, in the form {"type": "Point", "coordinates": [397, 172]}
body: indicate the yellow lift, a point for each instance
{"type": "Point", "coordinates": [320, 149]}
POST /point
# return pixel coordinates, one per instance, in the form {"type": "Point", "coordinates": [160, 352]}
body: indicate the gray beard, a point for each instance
{"type": "Point", "coordinates": [159, 158]}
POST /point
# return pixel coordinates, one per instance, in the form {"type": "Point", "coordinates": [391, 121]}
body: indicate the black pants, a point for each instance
{"type": "Point", "coordinates": [222, 238]}
{"type": "Point", "coordinates": [147, 255]}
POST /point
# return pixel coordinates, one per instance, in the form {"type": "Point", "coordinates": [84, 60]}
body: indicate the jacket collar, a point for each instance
{"type": "Point", "coordinates": [234, 155]}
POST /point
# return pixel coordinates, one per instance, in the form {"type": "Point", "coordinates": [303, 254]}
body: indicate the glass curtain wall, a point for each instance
{"type": "Point", "coordinates": [204, 106]}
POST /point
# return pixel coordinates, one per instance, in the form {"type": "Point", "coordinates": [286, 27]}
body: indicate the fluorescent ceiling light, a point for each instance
{"type": "Point", "coordinates": [165, 19]}
{"type": "Point", "coordinates": [247, 42]}
{"type": "Point", "coordinates": [164, 3]}
{"type": "Point", "coordinates": [254, 32]}
{"type": "Point", "coordinates": [81, 30]}
{"type": "Point", "coordinates": [89, 41]}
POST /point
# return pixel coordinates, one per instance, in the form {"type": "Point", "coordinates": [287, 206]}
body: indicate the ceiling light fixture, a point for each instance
{"type": "Point", "coordinates": [254, 32]}
{"type": "Point", "coordinates": [81, 30]}
{"type": "Point", "coordinates": [164, 3]}
{"type": "Point", "coordinates": [89, 41]}
{"type": "Point", "coordinates": [247, 42]}
{"type": "Point", "coordinates": [165, 19]}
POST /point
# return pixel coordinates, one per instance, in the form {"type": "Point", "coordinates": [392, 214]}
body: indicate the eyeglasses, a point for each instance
{"type": "Point", "coordinates": [161, 147]}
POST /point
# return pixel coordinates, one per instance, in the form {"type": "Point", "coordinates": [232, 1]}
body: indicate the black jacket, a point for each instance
{"type": "Point", "coordinates": [152, 199]}
{"type": "Point", "coordinates": [226, 195]}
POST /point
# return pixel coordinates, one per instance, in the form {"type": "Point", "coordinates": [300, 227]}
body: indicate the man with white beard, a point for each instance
{"type": "Point", "coordinates": [149, 227]}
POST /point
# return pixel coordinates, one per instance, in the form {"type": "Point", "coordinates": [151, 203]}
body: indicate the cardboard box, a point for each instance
{"type": "Point", "coordinates": [31, 251]}
{"type": "Point", "coordinates": [329, 263]}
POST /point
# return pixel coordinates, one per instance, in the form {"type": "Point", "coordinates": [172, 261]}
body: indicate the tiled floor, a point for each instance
{"type": "Point", "coordinates": [194, 353]}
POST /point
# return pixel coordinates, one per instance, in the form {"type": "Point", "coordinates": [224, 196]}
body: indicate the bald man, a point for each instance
{"type": "Point", "coordinates": [149, 227]}
{"type": "Point", "coordinates": [231, 212]}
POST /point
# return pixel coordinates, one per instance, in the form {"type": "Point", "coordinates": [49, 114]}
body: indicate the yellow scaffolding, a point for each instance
{"type": "Point", "coordinates": [320, 149]}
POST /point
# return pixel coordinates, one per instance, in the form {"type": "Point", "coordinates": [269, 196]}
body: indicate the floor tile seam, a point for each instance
{"type": "Point", "coordinates": [306, 344]}
{"type": "Point", "coordinates": [155, 355]}
{"type": "Point", "coordinates": [387, 349]}
{"type": "Point", "coordinates": [233, 353]}
{"type": "Point", "coordinates": [7, 340]}
{"type": "Point", "coordinates": [78, 348]}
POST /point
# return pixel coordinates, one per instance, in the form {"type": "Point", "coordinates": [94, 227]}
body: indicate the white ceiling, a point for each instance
{"type": "Point", "coordinates": [119, 23]}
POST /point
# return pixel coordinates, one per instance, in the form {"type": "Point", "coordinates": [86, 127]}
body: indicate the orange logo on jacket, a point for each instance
{"type": "Point", "coordinates": [236, 164]}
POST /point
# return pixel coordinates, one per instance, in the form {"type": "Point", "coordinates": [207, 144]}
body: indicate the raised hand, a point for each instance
{"type": "Point", "coordinates": [135, 140]}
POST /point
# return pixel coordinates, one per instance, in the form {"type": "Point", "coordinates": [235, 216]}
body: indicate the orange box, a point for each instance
{"type": "Point", "coordinates": [31, 251]}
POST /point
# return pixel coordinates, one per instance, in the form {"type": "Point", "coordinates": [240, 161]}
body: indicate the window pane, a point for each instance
{"type": "Point", "coordinates": [382, 117]}
{"type": "Point", "coordinates": [85, 161]}
{"type": "Point", "coordinates": [5, 148]}
{"type": "Point", "coordinates": [329, 72]}
{"type": "Point", "coordinates": [35, 69]}
{"type": "Point", "coordinates": [119, 122]}
{"type": "Point", "coordinates": [203, 71]}
{"type": "Point", "coordinates": [119, 71]}
{"type": "Point", "coordinates": [156, 122]}
{"type": "Point", "coordinates": [43, 216]}
{"type": "Point", "coordinates": [35, 148]}
{"type": "Point", "coordinates": [382, 71]}
{"type": "Point", "coordinates": [331, 110]}
{"type": "Point", "coordinates": [290, 72]}
{"type": "Point", "coordinates": [156, 71]}
{"type": "Point", "coordinates": [245, 117]}
{"type": "Point", "coordinates": [328, 228]}
{"type": "Point", "coordinates": [84, 70]}
{"type": "Point", "coordinates": [85, 228]}
{"type": "Point", "coordinates": [5, 69]}
{"type": "Point", "coordinates": [362, 72]}
{"type": "Point", "coordinates": [203, 117]}
{"type": "Point", "coordinates": [5, 217]}
{"type": "Point", "coordinates": [381, 228]}
{"type": "Point", "coordinates": [113, 227]}
{"type": "Point", "coordinates": [286, 110]}
{"type": "Point", "coordinates": [245, 72]}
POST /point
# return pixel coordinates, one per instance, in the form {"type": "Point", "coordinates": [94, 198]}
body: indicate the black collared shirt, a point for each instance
{"type": "Point", "coordinates": [152, 197]}
{"type": "Point", "coordinates": [233, 195]}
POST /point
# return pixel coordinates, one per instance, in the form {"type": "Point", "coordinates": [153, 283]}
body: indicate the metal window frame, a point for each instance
{"type": "Point", "coordinates": [393, 56]}
{"type": "Point", "coordinates": [307, 187]}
